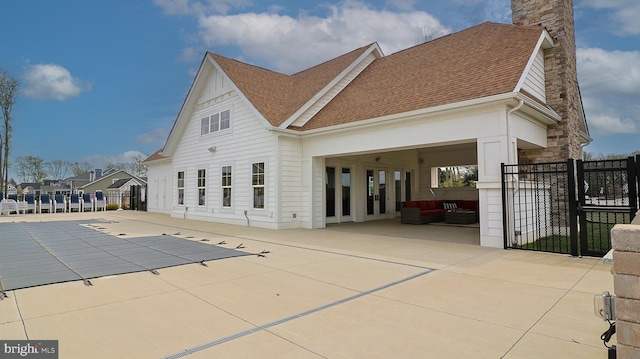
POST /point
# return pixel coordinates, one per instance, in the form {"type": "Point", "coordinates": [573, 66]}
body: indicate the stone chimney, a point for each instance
{"type": "Point", "coordinates": [563, 94]}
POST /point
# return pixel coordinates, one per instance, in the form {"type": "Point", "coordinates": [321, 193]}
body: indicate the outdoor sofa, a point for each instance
{"type": "Point", "coordinates": [429, 211]}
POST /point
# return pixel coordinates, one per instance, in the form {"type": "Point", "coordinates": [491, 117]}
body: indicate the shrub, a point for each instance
{"type": "Point", "coordinates": [112, 206]}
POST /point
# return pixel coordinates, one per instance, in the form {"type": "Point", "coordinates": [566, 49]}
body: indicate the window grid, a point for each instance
{"type": "Point", "coordinates": [257, 174]}
{"type": "Point", "coordinates": [226, 186]}
{"type": "Point", "coordinates": [201, 187]}
{"type": "Point", "coordinates": [180, 188]}
{"type": "Point", "coordinates": [215, 123]}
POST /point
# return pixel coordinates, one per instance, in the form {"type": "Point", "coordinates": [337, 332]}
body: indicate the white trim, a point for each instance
{"type": "Point", "coordinates": [544, 42]}
{"type": "Point", "coordinates": [374, 48]}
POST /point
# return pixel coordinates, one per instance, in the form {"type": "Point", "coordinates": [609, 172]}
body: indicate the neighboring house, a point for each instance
{"type": "Point", "coordinates": [76, 182]}
{"type": "Point", "coordinates": [349, 138]}
{"type": "Point", "coordinates": [106, 181]}
{"type": "Point", "coordinates": [118, 192]}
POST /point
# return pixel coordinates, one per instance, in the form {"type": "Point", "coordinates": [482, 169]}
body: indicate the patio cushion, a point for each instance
{"type": "Point", "coordinates": [411, 204]}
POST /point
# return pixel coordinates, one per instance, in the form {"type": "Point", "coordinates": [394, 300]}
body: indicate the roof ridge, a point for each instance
{"type": "Point", "coordinates": [334, 58]}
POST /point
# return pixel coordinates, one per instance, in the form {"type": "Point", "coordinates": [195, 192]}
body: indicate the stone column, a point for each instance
{"type": "Point", "coordinates": [561, 77]}
{"type": "Point", "coordinates": [626, 267]}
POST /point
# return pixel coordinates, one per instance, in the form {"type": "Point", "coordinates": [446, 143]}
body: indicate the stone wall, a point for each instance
{"type": "Point", "coordinates": [625, 239]}
{"type": "Point", "coordinates": [561, 77]}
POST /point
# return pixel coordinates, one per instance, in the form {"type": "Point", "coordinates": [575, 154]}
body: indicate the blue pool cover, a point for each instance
{"type": "Point", "coordinates": [39, 253]}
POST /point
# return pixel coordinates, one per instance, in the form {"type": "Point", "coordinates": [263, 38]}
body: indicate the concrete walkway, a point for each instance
{"type": "Point", "coordinates": [375, 290]}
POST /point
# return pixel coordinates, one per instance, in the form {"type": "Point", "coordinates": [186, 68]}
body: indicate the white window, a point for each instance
{"type": "Point", "coordinates": [257, 182]}
{"type": "Point", "coordinates": [202, 187]}
{"type": "Point", "coordinates": [181, 188]}
{"type": "Point", "coordinates": [215, 123]}
{"type": "Point", "coordinates": [204, 126]}
{"type": "Point", "coordinates": [225, 119]}
{"type": "Point", "coordinates": [226, 186]}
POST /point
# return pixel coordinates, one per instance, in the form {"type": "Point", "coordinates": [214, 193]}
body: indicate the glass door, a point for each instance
{"type": "Point", "coordinates": [376, 193]}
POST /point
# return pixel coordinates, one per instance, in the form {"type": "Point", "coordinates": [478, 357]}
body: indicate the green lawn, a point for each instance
{"type": "Point", "coordinates": [598, 235]}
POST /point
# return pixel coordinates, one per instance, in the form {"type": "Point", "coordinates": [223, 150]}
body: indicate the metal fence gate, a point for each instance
{"type": "Point", "coordinates": [568, 207]}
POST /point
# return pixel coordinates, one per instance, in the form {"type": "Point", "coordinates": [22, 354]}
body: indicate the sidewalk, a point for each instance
{"type": "Point", "coordinates": [339, 292]}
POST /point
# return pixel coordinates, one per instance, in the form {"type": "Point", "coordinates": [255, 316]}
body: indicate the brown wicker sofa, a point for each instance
{"type": "Point", "coordinates": [428, 211]}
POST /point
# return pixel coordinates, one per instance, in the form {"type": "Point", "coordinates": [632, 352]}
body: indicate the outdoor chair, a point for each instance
{"type": "Point", "coordinates": [100, 201]}
{"type": "Point", "coordinates": [59, 202]}
{"type": "Point", "coordinates": [87, 202]}
{"type": "Point", "coordinates": [31, 202]}
{"type": "Point", "coordinates": [1, 196]}
{"type": "Point", "coordinates": [45, 203]}
{"type": "Point", "coordinates": [22, 205]}
{"type": "Point", "coordinates": [74, 202]}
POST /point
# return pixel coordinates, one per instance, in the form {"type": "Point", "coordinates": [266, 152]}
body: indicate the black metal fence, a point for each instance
{"type": "Point", "coordinates": [567, 207]}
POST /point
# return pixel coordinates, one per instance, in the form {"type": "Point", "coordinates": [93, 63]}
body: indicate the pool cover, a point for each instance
{"type": "Point", "coordinates": [39, 253]}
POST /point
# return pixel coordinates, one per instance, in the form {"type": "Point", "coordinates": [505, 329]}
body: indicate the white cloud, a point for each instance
{"type": "Point", "coordinates": [290, 44]}
{"type": "Point", "coordinates": [50, 81]}
{"type": "Point", "coordinates": [624, 13]}
{"type": "Point", "coordinates": [102, 161]}
{"type": "Point", "coordinates": [610, 86]}
{"type": "Point", "coordinates": [158, 136]}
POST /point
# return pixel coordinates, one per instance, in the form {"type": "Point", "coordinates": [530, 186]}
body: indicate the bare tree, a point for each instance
{"type": "Point", "coordinates": [79, 168]}
{"type": "Point", "coordinates": [136, 167]}
{"type": "Point", "coordinates": [31, 169]}
{"type": "Point", "coordinates": [8, 90]}
{"type": "Point", "coordinates": [58, 169]}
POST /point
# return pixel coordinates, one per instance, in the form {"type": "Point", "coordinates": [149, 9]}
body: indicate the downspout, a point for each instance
{"type": "Point", "coordinates": [514, 177]}
{"type": "Point", "coordinates": [509, 154]}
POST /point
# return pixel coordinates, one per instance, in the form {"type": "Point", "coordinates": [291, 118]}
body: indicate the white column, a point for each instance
{"type": "Point", "coordinates": [492, 151]}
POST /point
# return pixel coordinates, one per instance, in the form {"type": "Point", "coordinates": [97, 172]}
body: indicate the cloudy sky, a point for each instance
{"type": "Point", "coordinates": [104, 80]}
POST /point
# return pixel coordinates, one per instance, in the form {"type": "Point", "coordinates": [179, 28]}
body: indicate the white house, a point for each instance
{"type": "Point", "coordinates": [349, 138]}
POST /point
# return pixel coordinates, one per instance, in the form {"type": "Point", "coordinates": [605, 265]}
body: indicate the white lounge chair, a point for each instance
{"type": "Point", "coordinates": [74, 202]}
{"type": "Point", "coordinates": [87, 202]}
{"type": "Point", "coordinates": [45, 203]}
{"type": "Point", "coordinates": [31, 202]}
{"type": "Point", "coordinates": [100, 201]}
{"type": "Point", "coordinates": [59, 202]}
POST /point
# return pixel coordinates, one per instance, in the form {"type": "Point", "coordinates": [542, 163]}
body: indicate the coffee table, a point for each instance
{"type": "Point", "coordinates": [460, 216]}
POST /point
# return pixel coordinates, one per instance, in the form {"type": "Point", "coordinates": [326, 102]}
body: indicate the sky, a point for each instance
{"type": "Point", "coordinates": [102, 81]}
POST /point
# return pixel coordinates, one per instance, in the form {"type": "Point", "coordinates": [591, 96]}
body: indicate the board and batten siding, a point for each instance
{"type": "Point", "coordinates": [534, 82]}
{"type": "Point", "coordinates": [247, 141]}
{"type": "Point", "coordinates": [333, 92]}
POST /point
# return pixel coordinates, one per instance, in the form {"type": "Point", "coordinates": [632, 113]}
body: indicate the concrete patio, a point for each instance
{"type": "Point", "coordinates": [356, 290]}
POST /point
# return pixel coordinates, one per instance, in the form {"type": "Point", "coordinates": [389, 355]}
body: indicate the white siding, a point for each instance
{"type": "Point", "coordinates": [159, 189]}
{"type": "Point", "coordinates": [333, 92]}
{"type": "Point", "coordinates": [534, 82]}
{"type": "Point", "coordinates": [244, 143]}
{"type": "Point", "coordinates": [290, 181]}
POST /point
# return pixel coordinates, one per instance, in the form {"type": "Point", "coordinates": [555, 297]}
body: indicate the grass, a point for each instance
{"type": "Point", "coordinates": [599, 225]}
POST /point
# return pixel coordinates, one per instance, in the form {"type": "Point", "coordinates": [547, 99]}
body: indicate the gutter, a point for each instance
{"type": "Point", "coordinates": [550, 116]}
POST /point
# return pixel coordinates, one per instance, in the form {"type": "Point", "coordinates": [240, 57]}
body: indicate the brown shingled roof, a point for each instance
{"type": "Point", "coordinates": [277, 96]}
{"type": "Point", "coordinates": [481, 61]}
{"type": "Point", "coordinates": [155, 156]}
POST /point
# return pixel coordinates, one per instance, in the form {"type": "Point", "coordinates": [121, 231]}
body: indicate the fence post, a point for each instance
{"type": "Point", "coordinates": [505, 226]}
{"type": "Point", "coordinates": [631, 187]}
{"type": "Point", "coordinates": [573, 205]}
